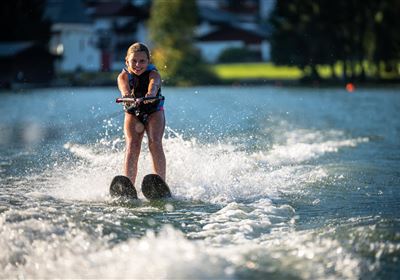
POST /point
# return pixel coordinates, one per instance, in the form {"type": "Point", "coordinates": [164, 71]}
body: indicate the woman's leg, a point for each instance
{"type": "Point", "coordinates": [155, 131]}
{"type": "Point", "coordinates": [133, 130]}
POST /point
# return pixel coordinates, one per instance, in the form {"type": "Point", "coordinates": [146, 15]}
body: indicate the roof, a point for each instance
{"type": "Point", "coordinates": [8, 49]}
{"type": "Point", "coordinates": [111, 9]}
{"type": "Point", "coordinates": [66, 11]}
{"type": "Point", "coordinates": [216, 15]}
{"type": "Point", "coordinates": [231, 33]}
{"type": "Point", "coordinates": [225, 18]}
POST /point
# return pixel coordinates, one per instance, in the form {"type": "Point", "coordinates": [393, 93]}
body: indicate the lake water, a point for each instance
{"type": "Point", "coordinates": [268, 182]}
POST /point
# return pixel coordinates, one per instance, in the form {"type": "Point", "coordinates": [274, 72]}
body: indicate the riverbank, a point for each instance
{"type": "Point", "coordinates": [235, 74]}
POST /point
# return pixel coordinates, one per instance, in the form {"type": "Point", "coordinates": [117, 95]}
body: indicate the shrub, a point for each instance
{"type": "Point", "coordinates": [238, 55]}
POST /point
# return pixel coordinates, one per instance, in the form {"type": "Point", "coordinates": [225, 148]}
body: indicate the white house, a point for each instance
{"type": "Point", "coordinates": [220, 29]}
{"type": "Point", "coordinates": [118, 25]}
{"type": "Point", "coordinates": [73, 38]}
{"type": "Point", "coordinates": [95, 36]}
{"type": "Point", "coordinates": [211, 45]}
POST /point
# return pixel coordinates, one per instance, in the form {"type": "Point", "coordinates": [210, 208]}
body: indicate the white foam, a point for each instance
{"type": "Point", "coordinates": [303, 145]}
{"type": "Point", "coordinates": [36, 247]}
{"type": "Point", "coordinates": [213, 172]}
{"type": "Point", "coordinates": [238, 223]}
{"type": "Point", "coordinates": [41, 249]}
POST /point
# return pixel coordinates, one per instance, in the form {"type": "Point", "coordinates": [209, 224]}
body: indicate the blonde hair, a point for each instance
{"type": "Point", "coordinates": [138, 47]}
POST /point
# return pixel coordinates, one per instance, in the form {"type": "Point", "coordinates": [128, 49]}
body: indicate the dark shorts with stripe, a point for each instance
{"type": "Point", "coordinates": [145, 110]}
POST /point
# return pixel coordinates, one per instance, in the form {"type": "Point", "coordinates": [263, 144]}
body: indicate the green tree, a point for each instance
{"type": "Point", "coordinates": [22, 20]}
{"type": "Point", "coordinates": [295, 37]}
{"type": "Point", "coordinates": [171, 28]}
{"type": "Point", "coordinates": [307, 33]}
{"type": "Point", "coordinates": [387, 37]}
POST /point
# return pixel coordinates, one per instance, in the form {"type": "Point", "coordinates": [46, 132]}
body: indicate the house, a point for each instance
{"type": "Point", "coordinates": [74, 38]}
{"type": "Point", "coordinates": [118, 25]}
{"type": "Point", "coordinates": [25, 63]}
{"type": "Point", "coordinates": [214, 43]}
{"type": "Point", "coordinates": [93, 35]}
{"type": "Point", "coordinates": [223, 25]}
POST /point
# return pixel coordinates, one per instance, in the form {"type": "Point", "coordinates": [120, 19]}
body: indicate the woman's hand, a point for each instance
{"type": "Point", "coordinates": [150, 100]}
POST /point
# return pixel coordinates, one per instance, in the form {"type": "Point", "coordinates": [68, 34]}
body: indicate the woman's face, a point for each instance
{"type": "Point", "coordinates": [137, 62]}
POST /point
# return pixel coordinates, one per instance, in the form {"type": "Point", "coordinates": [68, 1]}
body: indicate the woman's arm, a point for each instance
{"type": "Point", "coordinates": [154, 83]}
{"type": "Point", "coordinates": [123, 84]}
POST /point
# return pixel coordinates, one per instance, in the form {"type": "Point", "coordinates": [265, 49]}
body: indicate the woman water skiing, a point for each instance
{"type": "Point", "coordinates": [140, 79]}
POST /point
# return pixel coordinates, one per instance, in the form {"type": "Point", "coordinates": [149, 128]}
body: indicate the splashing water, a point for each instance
{"type": "Point", "coordinates": [265, 196]}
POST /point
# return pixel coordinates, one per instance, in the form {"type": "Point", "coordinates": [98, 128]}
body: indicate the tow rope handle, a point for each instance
{"type": "Point", "coordinates": [132, 99]}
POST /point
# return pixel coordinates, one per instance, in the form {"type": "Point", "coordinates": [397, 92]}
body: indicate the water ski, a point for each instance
{"type": "Point", "coordinates": [122, 186]}
{"type": "Point", "coordinates": [154, 187]}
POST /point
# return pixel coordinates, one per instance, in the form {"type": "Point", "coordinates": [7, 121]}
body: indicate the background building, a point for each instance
{"type": "Point", "coordinates": [23, 63]}
{"type": "Point", "coordinates": [93, 35]}
{"type": "Point", "coordinates": [74, 37]}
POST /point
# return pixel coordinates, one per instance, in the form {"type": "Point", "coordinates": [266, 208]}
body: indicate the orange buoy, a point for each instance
{"type": "Point", "coordinates": [350, 87]}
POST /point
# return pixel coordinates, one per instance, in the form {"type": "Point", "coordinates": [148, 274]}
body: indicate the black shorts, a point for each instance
{"type": "Point", "coordinates": [144, 110]}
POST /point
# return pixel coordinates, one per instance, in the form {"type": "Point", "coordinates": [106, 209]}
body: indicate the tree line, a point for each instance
{"type": "Point", "coordinates": [22, 20]}
{"type": "Point", "coordinates": [361, 35]}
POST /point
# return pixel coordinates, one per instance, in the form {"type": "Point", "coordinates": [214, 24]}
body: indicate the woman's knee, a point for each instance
{"type": "Point", "coordinates": [155, 144]}
{"type": "Point", "coordinates": [133, 145]}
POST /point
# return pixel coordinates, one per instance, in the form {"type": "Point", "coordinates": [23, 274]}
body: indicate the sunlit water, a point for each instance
{"type": "Point", "coordinates": [277, 183]}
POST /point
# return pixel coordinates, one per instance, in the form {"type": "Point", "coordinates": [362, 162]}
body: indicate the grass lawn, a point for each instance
{"type": "Point", "coordinates": [249, 71]}
{"type": "Point", "coordinates": [269, 71]}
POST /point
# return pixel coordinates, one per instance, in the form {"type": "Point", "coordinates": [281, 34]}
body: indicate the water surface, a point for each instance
{"type": "Point", "coordinates": [268, 182]}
